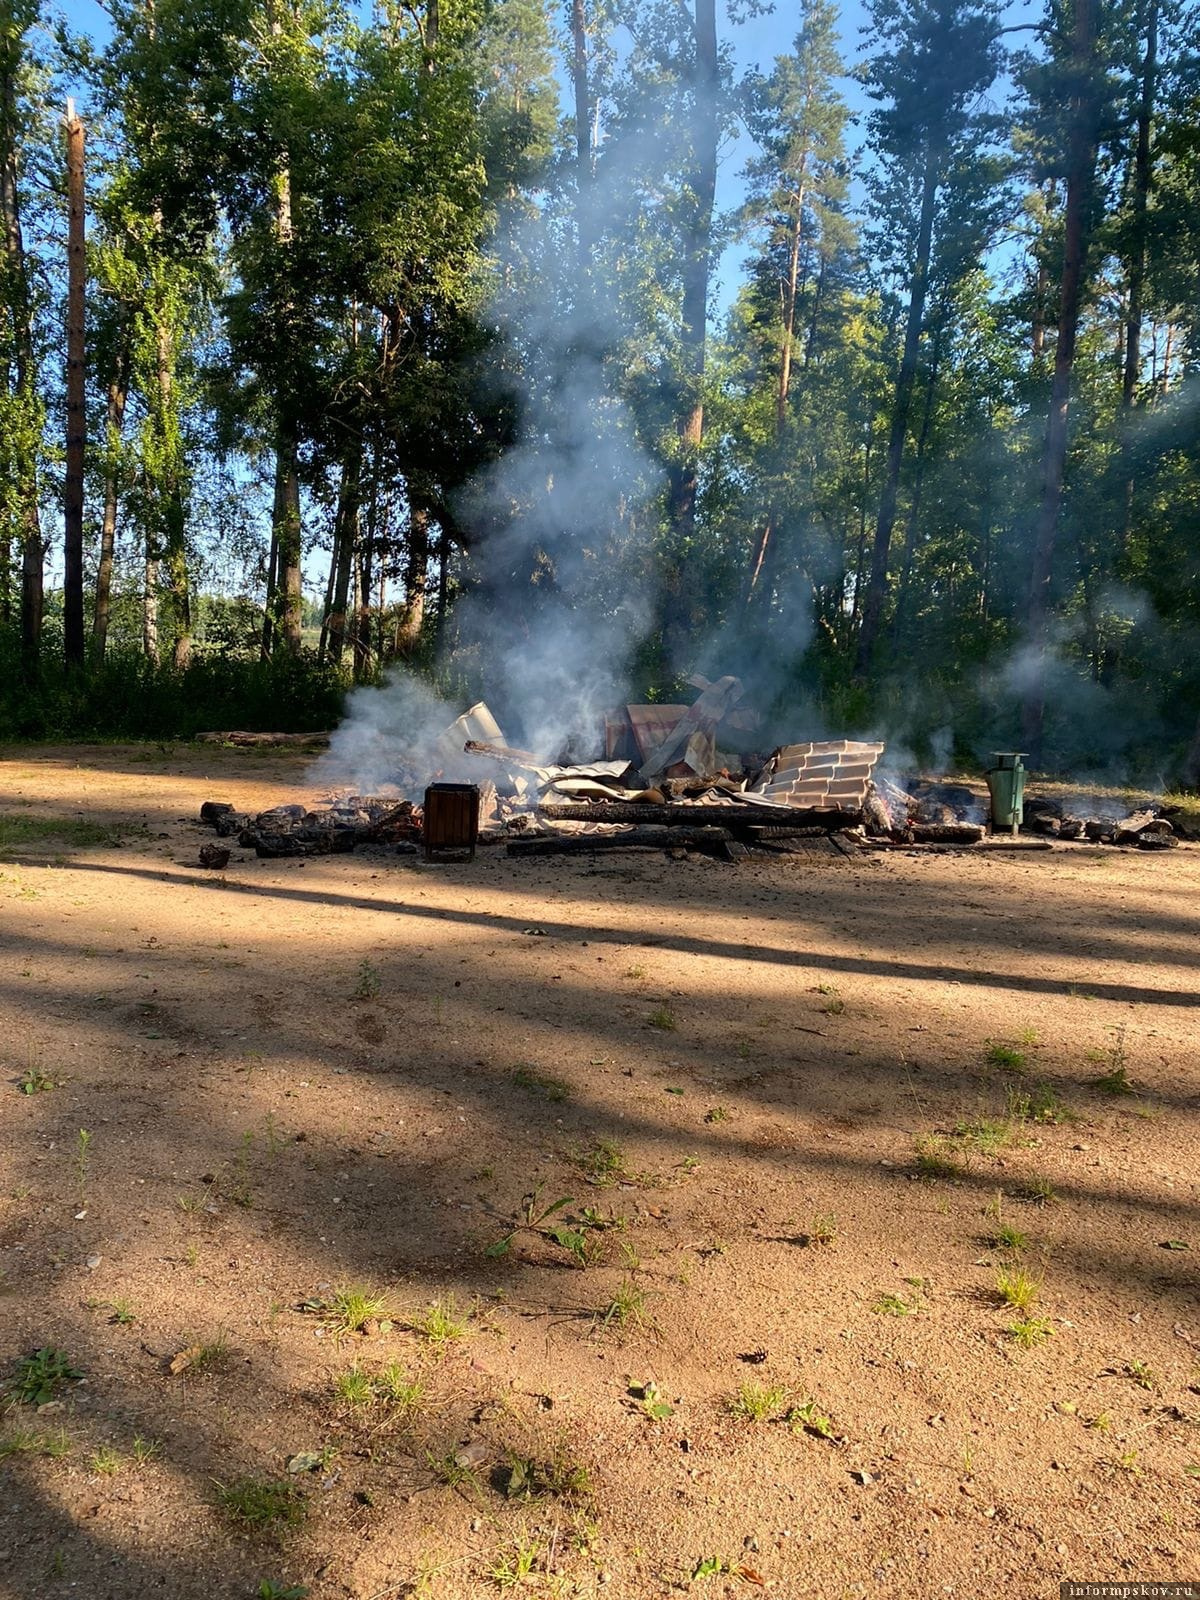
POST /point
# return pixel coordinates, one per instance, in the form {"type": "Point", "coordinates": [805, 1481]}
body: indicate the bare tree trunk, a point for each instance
{"type": "Point", "coordinates": [269, 607]}
{"type": "Point", "coordinates": [1082, 141]}
{"type": "Point", "coordinates": [288, 543]}
{"type": "Point", "coordinates": [73, 630]}
{"type": "Point", "coordinates": [173, 508]}
{"type": "Point", "coordinates": [791, 285]}
{"type": "Point", "coordinates": [914, 510]}
{"type": "Point", "coordinates": [363, 561]}
{"type": "Point", "coordinates": [26, 425]}
{"type": "Point", "coordinates": [1137, 266]}
{"type": "Point", "coordinates": [877, 585]}
{"type": "Point", "coordinates": [150, 602]}
{"type": "Point", "coordinates": [416, 582]}
{"type": "Point", "coordinates": [697, 262]}
{"type": "Point", "coordinates": [345, 541]}
{"type": "Point", "coordinates": [443, 588]}
{"type": "Point", "coordinates": [118, 390]}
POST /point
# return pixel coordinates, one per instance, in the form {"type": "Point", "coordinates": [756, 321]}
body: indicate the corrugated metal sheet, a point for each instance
{"type": "Point", "coordinates": [834, 774]}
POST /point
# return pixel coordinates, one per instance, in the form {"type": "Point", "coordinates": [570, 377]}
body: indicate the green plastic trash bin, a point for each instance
{"type": "Point", "coordinates": [1006, 783]}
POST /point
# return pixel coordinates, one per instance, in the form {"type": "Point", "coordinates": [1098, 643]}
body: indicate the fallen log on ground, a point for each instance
{"type": "Point", "coordinates": [946, 832]}
{"type": "Point", "coordinates": [645, 838]}
{"type": "Point", "coordinates": [737, 815]}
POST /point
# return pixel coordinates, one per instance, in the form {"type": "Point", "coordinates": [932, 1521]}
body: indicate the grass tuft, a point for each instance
{"type": "Point", "coordinates": [260, 1505]}
{"type": "Point", "coordinates": [758, 1402]}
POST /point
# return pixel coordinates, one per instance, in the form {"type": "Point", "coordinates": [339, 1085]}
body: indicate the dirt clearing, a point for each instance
{"type": "Point", "coordinates": [873, 1271]}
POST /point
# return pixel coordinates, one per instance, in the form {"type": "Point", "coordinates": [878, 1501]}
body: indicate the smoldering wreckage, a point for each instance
{"type": "Point", "coordinates": [679, 779]}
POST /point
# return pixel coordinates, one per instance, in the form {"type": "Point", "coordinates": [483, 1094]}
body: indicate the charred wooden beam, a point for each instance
{"type": "Point", "coordinates": [737, 816]}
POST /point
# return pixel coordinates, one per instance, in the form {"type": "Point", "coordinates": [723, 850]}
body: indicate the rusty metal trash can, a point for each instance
{"type": "Point", "coordinates": [451, 822]}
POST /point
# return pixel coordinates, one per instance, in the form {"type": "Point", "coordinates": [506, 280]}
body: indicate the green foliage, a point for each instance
{"type": "Point", "coordinates": [128, 697]}
{"type": "Point", "coordinates": [40, 1376]}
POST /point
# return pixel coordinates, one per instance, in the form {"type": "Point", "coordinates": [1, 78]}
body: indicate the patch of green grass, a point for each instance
{"type": "Point", "coordinates": [455, 1474]}
{"type": "Point", "coordinates": [627, 1308]}
{"type": "Point", "coordinates": [354, 1388]}
{"type": "Point", "coordinates": [122, 1313]}
{"type": "Point", "coordinates": [1006, 1237]}
{"type": "Point", "coordinates": [17, 830]}
{"type": "Point", "coordinates": [34, 1442]}
{"type": "Point", "coordinates": [260, 1505]}
{"type": "Point", "coordinates": [350, 1308]}
{"type": "Point", "coordinates": [368, 985]}
{"type": "Point", "coordinates": [937, 1157]}
{"type": "Point", "coordinates": [758, 1402]}
{"type": "Point", "coordinates": [822, 1230]}
{"type": "Point", "coordinates": [1005, 1056]}
{"type": "Point", "coordinates": [527, 1477]}
{"type": "Point", "coordinates": [1041, 1104]}
{"type": "Point", "coordinates": [442, 1322]}
{"type": "Point", "coordinates": [664, 1018]}
{"type": "Point", "coordinates": [527, 1077]}
{"type": "Point", "coordinates": [1115, 1082]}
{"type": "Point", "coordinates": [1040, 1190]}
{"type": "Point", "coordinates": [716, 1114]}
{"type": "Point", "coordinates": [397, 1390]}
{"type": "Point", "coordinates": [1030, 1332]}
{"type": "Point", "coordinates": [105, 1461]}
{"type": "Point", "coordinates": [710, 1567]}
{"type": "Point", "coordinates": [516, 1562]}
{"type": "Point", "coordinates": [809, 1418]}
{"type": "Point", "coordinates": [1141, 1374]}
{"type": "Point", "coordinates": [895, 1305]}
{"type": "Point", "coordinates": [988, 1135]}
{"type": "Point", "coordinates": [274, 1589]}
{"type": "Point", "coordinates": [39, 1377]}
{"type": "Point", "coordinates": [35, 1081]}
{"type": "Point", "coordinates": [1017, 1288]}
{"type": "Point", "coordinates": [602, 1163]}
{"type": "Point", "coordinates": [144, 1450]}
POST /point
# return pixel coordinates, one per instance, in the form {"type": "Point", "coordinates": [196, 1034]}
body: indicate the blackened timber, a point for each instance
{"type": "Point", "coordinates": [780, 819]}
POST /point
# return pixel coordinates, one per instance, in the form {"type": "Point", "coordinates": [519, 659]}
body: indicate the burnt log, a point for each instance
{"type": "Point", "coordinates": [1097, 831]}
{"type": "Point", "coordinates": [946, 832]}
{"type": "Point", "coordinates": [1130, 829]}
{"type": "Point", "coordinates": [644, 838]}
{"type": "Point", "coordinates": [737, 815]}
{"type": "Point", "coordinates": [1154, 839]}
{"type": "Point", "coordinates": [214, 856]}
{"type": "Point", "coordinates": [213, 810]}
{"type": "Point", "coordinates": [231, 823]}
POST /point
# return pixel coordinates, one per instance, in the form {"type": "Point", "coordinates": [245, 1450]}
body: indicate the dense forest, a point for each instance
{"type": "Point", "coordinates": [336, 344]}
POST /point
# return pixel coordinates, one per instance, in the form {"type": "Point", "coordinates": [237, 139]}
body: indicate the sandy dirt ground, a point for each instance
{"type": "Point", "coordinates": [813, 1119]}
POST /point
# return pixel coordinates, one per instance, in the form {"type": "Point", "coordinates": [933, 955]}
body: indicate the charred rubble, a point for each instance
{"type": "Point", "coordinates": [681, 778]}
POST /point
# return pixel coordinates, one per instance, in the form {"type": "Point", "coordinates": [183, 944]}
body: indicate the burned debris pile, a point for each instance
{"type": "Point", "coordinates": [327, 830]}
{"type": "Point", "coordinates": [679, 778]}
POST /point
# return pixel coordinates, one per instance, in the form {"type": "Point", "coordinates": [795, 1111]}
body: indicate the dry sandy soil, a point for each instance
{"type": "Point", "coordinates": [801, 1091]}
